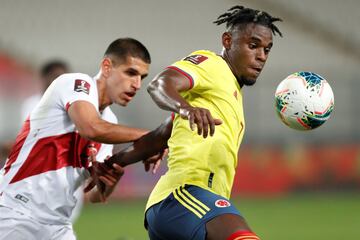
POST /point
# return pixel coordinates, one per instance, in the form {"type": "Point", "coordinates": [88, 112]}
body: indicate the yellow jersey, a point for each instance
{"type": "Point", "coordinates": [207, 163]}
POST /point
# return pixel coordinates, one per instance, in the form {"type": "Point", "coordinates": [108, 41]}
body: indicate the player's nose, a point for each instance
{"type": "Point", "coordinates": [261, 55]}
{"type": "Point", "coordinates": [137, 83]}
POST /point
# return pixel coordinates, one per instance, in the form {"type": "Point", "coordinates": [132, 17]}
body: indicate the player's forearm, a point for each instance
{"type": "Point", "coordinates": [165, 95]}
{"type": "Point", "coordinates": [106, 132]}
{"type": "Point", "coordinates": [147, 146]}
{"type": "Point", "coordinates": [90, 125]}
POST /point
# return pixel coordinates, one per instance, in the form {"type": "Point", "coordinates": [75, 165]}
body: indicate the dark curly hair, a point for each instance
{"type": "Point", "coordinates": [241, 15]}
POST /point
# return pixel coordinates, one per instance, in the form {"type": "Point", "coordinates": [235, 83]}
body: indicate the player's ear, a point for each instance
{"type": "Point", "coordinates": [106, 66]}
{"type": "Point", "coordinates": [226, 40]}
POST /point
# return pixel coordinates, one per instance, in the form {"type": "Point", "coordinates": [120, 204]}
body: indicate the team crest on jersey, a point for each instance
{"type": "Point", "coordinates": [82, 86]}
{"type": "Point", "coordinates": [222, 203]}
{"type": "Point", "coordinates": [196, 59]}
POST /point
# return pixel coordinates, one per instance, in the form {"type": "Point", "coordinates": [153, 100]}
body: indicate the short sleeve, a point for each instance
{"type": "Point", "coordinates": [76, 87]}
{"type": "Point", "coordinates": [192, 68]}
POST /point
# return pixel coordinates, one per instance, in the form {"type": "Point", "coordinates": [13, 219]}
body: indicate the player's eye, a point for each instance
{"type": "Point", "coordinates": [131, 73]}
{"type": "Point", "coordinates": [267, 50]}
{"type": "Point", "coordinates": [143, 76]}
{"type": "Point", "coordinates": [252, 45]}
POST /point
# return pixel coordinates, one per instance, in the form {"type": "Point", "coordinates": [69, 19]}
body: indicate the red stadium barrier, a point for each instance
{"type": "Point", "coordinates": [16, 78]}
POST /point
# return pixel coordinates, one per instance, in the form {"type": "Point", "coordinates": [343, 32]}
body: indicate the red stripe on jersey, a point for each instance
{"type": "Point", "coordinates": [53, 153]}
{"type": "Point", "coordinates": [67, 106]}
{"type": "Point", "coordinates": [191, 80]}
{"type": "Point", "coordinates": [15, 150]}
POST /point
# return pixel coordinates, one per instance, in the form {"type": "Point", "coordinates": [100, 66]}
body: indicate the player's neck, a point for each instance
{"type": "Point", "coordinates": [228, 61]}
{"type": "Point", "coordinates": [104, 101]}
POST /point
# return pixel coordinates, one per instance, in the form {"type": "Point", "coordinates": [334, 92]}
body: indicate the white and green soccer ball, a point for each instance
{"type": "Point", "coordinates": [304, 100]}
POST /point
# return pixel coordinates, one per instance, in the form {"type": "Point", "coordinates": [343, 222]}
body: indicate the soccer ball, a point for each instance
{"type": "Point", "coordinates": [304, 100]}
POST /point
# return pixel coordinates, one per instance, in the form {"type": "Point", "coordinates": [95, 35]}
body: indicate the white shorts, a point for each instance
{"type": "Point", "coordinates": [15, 225]}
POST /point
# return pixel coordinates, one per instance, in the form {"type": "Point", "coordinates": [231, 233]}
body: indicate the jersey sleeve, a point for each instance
{"type": "Point", "coordinates": [78, 87]}
{"type": "Point", "coordinates": [192, 67]}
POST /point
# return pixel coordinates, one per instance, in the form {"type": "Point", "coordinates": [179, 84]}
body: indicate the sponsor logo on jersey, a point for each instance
{"type": "Point", "coordinates": [82, 86]}
{"type": "Point", "coordinates": [222, 203]}
{"type": "Point", "coordinates": [22, 198]}
{"type": "Point", "coordinates": [196, 59]}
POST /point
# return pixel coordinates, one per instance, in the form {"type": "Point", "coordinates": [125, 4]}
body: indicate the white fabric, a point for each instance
{"type": "Point", "coordinates": [105, 150]}
{"type": "Point", "coordinates": [48, 196]}
{"type": "Point", "coordinates": [28, 105]}
{"type": "Point", "coordinates": [17, 226]}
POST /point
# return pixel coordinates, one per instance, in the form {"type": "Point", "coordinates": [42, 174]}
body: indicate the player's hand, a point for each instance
{"type": "Point", "coordinates": [110, 176]}
{"type": "Point", "coordinates": [201, 117]}
{"type": "Point", "coordinates": [102, 176]}
{"type": "Point", "coordinates": [94, 173]}
{"type": "Point", "coordinates": [155, 161]}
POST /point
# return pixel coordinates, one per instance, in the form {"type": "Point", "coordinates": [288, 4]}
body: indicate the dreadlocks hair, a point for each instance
{"type": "Point", "coordinates": [241, 15]}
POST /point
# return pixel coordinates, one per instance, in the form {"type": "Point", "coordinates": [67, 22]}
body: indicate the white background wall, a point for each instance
{"type": "Point", "coordinates": [319, 35]}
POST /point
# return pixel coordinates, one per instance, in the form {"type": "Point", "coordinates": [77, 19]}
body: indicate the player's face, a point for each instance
{"type": "Point", "coordinates": [247, 51]}
{"type": "Point", "coordinates": [125, 80]}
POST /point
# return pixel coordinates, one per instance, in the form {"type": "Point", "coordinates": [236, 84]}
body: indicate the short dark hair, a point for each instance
{"type": "Point", "coordinates": [123, 47]}
{"type": "Point", "coordinates": [240, 15]}
{"type": "Point", "coordinates": [51, 66]}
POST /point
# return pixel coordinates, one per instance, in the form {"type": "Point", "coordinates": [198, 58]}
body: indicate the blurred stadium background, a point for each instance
{"type": "Point", "coordinates": [290, 185]}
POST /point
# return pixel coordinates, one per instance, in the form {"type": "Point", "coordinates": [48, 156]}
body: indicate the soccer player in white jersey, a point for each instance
{"type": "Point", "coordinates": [51, 156]}
{"type": "Point", "coordinates": [48, 73]}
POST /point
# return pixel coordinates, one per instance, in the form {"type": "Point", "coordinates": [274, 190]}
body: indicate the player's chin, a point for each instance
{"type": "Point", "coordinates": [248, 81]}
{"type": "Point", "coordinates": [122, 102]}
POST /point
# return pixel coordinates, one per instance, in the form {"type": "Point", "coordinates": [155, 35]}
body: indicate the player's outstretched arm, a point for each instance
{"type": "Point", "coordinates": [91, 126]}
{"type": "Point", "coordinates": [145, 147]}
{"type": "Point", "coordinates": [165, 90]}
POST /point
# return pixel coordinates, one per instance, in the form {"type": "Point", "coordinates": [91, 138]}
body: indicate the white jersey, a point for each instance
{"type": "Point", "coordinates": [49, 160]}
{"type": "Point", "coordinates": [28, 105]}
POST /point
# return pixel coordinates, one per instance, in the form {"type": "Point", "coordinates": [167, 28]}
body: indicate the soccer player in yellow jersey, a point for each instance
{"type": "Point", "coordinates": [204, 91]}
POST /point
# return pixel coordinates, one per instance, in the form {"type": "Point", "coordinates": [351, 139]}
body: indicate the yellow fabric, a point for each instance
{"type": "Point", "coordinates": [192, 158]}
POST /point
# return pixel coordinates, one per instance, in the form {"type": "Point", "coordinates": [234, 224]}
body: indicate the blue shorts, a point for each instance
{"type": "Point", "coordinates": [184, 213]}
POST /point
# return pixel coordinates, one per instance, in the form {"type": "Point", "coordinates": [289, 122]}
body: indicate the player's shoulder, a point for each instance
{"type": "Point", "coordinates": [73, 80]}
{"type": "Point", "coordinates": [204, 53]}
{"type": "Point", "coordinates": [74, 76]}
{"type": "Point", "coordinates": [200, 56]}
{"type": "Point", "coordinates": [78, 82]}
